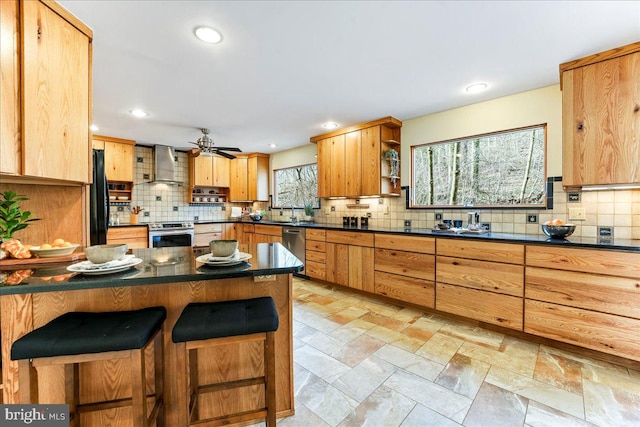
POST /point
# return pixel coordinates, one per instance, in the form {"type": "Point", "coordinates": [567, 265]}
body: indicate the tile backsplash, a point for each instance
{"type": "Point", "coordinates": [619, 209]}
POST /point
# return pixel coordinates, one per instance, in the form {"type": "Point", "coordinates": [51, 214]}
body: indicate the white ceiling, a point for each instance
{"type": "Point", "coordinates": [285, 67]}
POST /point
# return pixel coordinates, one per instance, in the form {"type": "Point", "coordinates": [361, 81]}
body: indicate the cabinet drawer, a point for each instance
{"type": "Point", "coordinates": [203, 239]}
{"type": "Point", "coordinates": [316, 256]}
{"type": "Point", "coordinates": [425, 245]}
{"type": "Point", "coordinates": [312, 245]}
{"type": "Point", "coordinates": [350, 238]}
{"type": "Point", "coordinates": [421, 266]}
{"type": "Point", "coordinates": [248, 228]}
{"type": "Point", "coordinates": [409, 289]}
{"type": "Point", "coordinates": [613, 263]}
{"type": "Point", "coordinates": [614, 295]}
{"type": "Point", "coordinates": [119, 233]}
{"type": "Point", "coordinates": [315, 270]}
{"type": "Point", "coordinates": [207, 228]}
{"type": "Point", "coordinates": [484, 275]}
{"type": "Point", "coordinates": [498, 309]}
{"type": "Point", "coordinates": [599, 331]}
{"type": "Point", "coordinates": [510, 253]}
{"type": "Point", "coordinates": [271, 230]}
{"type": "Point", "coordinates": [313, 234]}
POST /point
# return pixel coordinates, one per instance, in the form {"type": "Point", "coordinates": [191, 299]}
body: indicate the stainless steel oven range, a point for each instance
{"type": "Point", "coordinates": [171, 234]}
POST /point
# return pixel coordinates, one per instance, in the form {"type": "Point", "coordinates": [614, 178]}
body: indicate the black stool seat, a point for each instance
{"type": "Point", "coordinates": [202, 321]}
{"type": "Point", "coordinates": [84, 333]}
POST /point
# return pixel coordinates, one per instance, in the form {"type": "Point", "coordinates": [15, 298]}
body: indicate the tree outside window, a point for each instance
{"type": "Point", "coordinates": [499, 169]}
{"type": "Point", "coordinates": [297, 186]}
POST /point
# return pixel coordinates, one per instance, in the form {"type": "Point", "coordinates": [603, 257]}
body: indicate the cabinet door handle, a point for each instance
{"type": "Point", "coordinates": [580, 126]}
{"type": "Point", "coordinates": [635, 110]}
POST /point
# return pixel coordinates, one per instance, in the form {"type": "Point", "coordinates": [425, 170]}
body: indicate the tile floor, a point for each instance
{"type": "Point", "coordinates": [361, 362]}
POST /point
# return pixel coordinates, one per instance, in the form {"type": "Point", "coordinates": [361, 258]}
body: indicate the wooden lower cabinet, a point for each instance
{"type": "Point", "coordinates": [403, 288]}
{"type": "Point", "coordinates": [482, 275]}
{"type": "Point", "coordinates": [489, 307]}
{"type": "Point", "coordinates": [337, 264]}
{"type": "Point", "coordinates": [205, 233]}
{"type": "Point", "coordinates": [316, 254]}
{"type": "Point", "coordinates": [267, 234]}
{"type": "Point", "coordinates": [361, 268]}
{"type": "Point", "coordinates": [134, 237]}
{"type": "Point", "coordinates": [421, 266]}
{"type": "Point", "coordinates": [598, 331]}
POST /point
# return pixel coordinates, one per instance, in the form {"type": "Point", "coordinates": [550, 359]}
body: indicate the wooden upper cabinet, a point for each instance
{"type": "Point", "coordinates": [10, 146]}
{"type": "Point", "coordinates": [249, 178]}
{"type": "Point", "coordinates": [56, 90]}
{"type": "Point", "coordinates": [221, 170]}
{"type": "Point", "coordinates": [351, 161]}
{"type": "Point", "coordinates": [118, 158]}
{"type": "Point", "coordinates": [324, 168]}
{"type": "Point", "coordinates": [201, 171]}
{"type": "Point", "coordinates": [601, 118]}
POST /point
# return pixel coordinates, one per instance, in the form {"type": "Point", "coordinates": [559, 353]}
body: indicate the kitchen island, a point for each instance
{"type": "Point", "coordinates": [169, 277]}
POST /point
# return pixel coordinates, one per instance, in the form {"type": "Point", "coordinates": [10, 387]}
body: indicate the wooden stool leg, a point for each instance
{"type": "Point", "coordinates": [193, 385]}
{"type": "Point", "coordinates": [159, 377]}
{"type": "Point", "coordinates": [270, 378]}
{"type": "Point", "coordinates": [27, 382]}
{"type": "Point", "coordinates": [72, 392]}
{"type": "Point", "coordinates": [138, 389]}
{"type": "Point", "coordinates": [181, 380]}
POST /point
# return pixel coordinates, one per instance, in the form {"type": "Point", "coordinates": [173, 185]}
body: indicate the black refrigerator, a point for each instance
{"type": "Point", "coordinates": [99, 201]}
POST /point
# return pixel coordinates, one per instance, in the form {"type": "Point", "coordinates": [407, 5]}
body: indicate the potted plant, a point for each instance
{"type": "Point", "coordinates": [12, 218]}
{"type": "Point", "coordinates": [308, 212]}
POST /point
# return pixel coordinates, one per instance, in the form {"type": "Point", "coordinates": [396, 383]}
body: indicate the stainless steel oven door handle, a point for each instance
{"type": "Point", "coordinates": [169, 232]}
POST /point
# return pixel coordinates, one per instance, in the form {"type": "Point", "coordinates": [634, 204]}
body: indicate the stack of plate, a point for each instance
{"type": "Point", "coordinates": [224, 261]}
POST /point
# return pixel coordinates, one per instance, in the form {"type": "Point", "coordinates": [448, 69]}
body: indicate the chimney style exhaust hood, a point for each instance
{"type": "Point", "coordinates": [164, 165]}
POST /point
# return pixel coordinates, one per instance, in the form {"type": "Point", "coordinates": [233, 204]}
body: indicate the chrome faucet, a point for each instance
{"type": "Point", "coordinates": [293, 217]}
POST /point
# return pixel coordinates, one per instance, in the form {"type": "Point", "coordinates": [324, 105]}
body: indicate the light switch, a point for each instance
{"type": "Point", "coordinates": [577, 214]}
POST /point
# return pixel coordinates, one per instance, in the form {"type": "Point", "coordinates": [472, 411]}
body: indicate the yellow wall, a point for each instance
{"type": "Point", "coordinates": [523, 109]}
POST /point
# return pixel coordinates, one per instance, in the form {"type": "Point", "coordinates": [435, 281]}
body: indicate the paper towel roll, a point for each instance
{"type": "Point", "coordinates": [236, 212]}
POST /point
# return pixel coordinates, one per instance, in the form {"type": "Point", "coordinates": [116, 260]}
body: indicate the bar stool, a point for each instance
{"type": "Point", "coordinates": [204, 325]}
{"type": "Point", "coordinates": [79, 337]}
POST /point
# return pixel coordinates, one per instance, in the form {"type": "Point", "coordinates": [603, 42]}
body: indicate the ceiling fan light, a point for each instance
{"type": "Point", "coordinates": [208, 35]}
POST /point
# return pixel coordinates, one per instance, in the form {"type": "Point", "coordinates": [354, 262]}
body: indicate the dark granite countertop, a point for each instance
{"type": "Point", "coordinates": [159, 265]}
{"type": "Point", "coordinates": [572, 241]}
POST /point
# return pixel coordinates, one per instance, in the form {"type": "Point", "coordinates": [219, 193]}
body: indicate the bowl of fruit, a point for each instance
{"type": "Point", "coordinates": [557, 229]}
{"type": "Point", "coordinates": [59, 247]}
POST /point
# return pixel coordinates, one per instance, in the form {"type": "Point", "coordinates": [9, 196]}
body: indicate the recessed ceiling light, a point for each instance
{"type": "Point", "coordinates": [272, 145]}
{"type": "Point", "coordinates": [139, 113]}
{"type": "Point", "coordinates": [208, 35]}
{"type": "Point", "coordinates": [476, 87]}
{"type": "Point", "coordinates": [94, 128]}
{"type": "Point", "coordinates": [330, 125]}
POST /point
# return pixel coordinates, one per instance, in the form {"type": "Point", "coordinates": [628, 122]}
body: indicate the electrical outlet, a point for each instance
{"type": "Point", "coordinates": [407, 223]}
{"type": "Point", "coordinates": [158, 198]}
{"type": "Point", "coordinates": [280, 215]}
{"type": "Point", "coordinates": [573, 197]}
{"type": "Point", "coordinates": [327, 211]}
{"type": "Point", "coordinates": [577, 214]}
{"type": "Point", "coordinates": [175, 209]}
{"type": "Point", "coordinates": [146, 213]}
{"type": "Point", "coordinates": [195, 218]}
{"type": "Point", "coordinates": [438, 217]}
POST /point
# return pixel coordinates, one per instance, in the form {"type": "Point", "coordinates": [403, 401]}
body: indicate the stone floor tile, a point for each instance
{"type": "Point", "coordinates": [539, 415]}
{"type": "Point", "coordinates": [302, 331]}
{"type": "Point", "coordinates": [601, 364]}
{"type": "Point", "coordinates": [384, 407]}
{"type": "Point", "coordinates": [606, 406]}
{"type": "Point", "coordinates": [433, 396]}
{"type": "Point", "coordinates": [559, 371]}
{"type": "Point", "coordinates": [496, 407]}
{"type": "Point", "coordinates": [421, 416]}
{"type": "Point", "coordinates": [351, 330]}
{"type": "Point", "coordinates": [408, 361]}
{"type": "Point", "coordinates": [361, 381]}
{"type": "Point", "coordinates": [440, 348]}
{"type": "Point", "coordinates": [325, 401]}
{"type": "Point", "coordinates": [325, 343]}
{"type": "Point", "coordinates": [473, 334]}
{"type": "Point", "coordinates": [535, 390]}
{"type": "Point", "coordinates": [303, 417]}
{"type": "Point", "coordinates": [357, 350]}
{"type": "Point", "coordinates": [463, 375]}
{"type": "Point", "coordinates": [321, 299]}
{"type": "Point", "coordinates": [517, 347]}
{"type": "Point", "coordinates": [319, 363]}
{"type": "Point", "coordinates": [523, 364]}
{"type": "Point", "coordinates": [315, 321]}
{"type": "Point", "coordinates": [614, 378]}
{"type": "Point", "coordinates": [408, 315]}
{"type": "Point", "coordinates": [380, 308]}
{"type": "Point", "coordinates": [396, 338]}
{"type": "Point", "coordinates": [385, 321]}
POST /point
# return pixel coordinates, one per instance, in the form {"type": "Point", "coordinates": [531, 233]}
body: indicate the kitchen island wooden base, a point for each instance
{"type": "Point", "coordinates": [22, 313]}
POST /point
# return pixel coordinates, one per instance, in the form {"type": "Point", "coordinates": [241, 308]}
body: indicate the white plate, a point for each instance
{"type": "Point", "coordinates": [81, 267]}
{"type": "Point", "coordinates": [206, 259]}
{"type": "Point", "coordinates": [48, 253]}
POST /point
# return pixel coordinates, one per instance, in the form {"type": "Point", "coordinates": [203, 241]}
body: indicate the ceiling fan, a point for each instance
{"type": "Point", "coordinates": [206, 147]}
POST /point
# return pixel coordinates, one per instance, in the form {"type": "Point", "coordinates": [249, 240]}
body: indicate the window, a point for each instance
{"type": "Point", "coordinates": [297, 185]}
{"type": "Point", "coordinates": [498, 169]}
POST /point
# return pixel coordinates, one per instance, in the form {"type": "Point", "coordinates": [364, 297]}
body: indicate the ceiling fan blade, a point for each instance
{"type": "Point", "coordinates": [229, 149]}
{"type": "Point", "coordinates": [228, 156]}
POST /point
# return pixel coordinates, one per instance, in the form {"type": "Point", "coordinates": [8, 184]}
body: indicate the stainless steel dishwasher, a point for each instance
{"type": "Point", "coordinates": [293, 238]}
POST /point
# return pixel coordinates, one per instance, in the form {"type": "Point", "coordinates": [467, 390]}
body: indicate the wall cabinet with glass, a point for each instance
{"type": "Point", "coordinates": [361, 160]}
{"type": "Point", "coordinates": [46, 72]}
{"type": "Point", "coordinates": [601, 118]}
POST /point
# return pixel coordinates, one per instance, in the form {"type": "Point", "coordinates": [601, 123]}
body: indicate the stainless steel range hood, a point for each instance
{"type": "Point", "coordinates": [165, 167]}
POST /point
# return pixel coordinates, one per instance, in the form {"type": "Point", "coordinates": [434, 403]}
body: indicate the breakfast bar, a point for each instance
{"type": "Point", "coordinates": [168, 277]}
